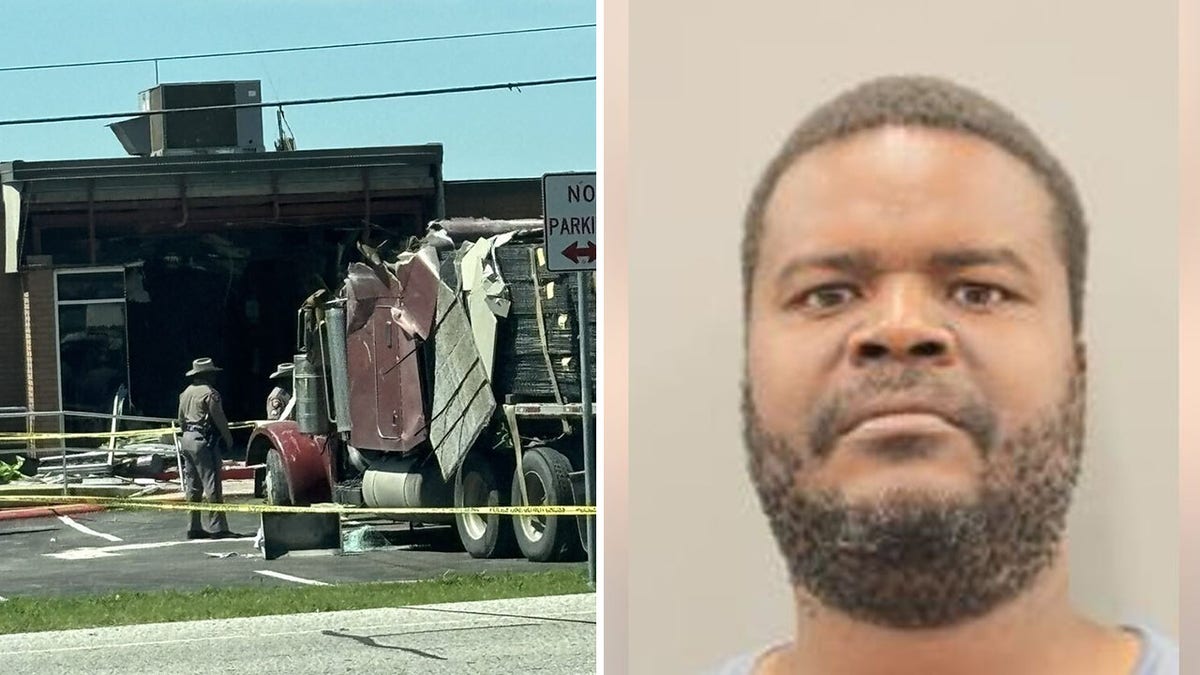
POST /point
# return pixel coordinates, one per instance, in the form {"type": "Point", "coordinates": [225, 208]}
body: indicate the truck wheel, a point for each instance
{"type": "Point", "coordinates": [478, 484]}
{"type": "Point", "coordinates": [275, 484]}
{"type": "Point", "coordinates": [548, 483]}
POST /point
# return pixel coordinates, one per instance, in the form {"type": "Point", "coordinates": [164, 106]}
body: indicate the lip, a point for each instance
{"type": "Point", "coordinates": [902, 424]}
{"type": "Point", "coordinates": [898, 417]}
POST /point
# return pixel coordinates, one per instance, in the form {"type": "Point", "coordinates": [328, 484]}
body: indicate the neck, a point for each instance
{"type": "Point", "coordinates": [1036, 632]}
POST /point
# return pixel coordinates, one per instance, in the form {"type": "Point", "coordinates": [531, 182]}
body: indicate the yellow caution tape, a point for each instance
{"type": "Point", "coordinates": [155, 504]}
{"type": "Point", "coordinates": [128, 433]}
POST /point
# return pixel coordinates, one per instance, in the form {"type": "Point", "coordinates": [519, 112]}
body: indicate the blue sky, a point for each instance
{"type": "Point", "coordinates": [486, 135]}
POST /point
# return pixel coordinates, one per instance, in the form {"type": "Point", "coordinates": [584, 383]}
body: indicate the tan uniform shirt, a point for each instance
{"type": "Point", "coordinates": [277, 400]}
{"type": "Point", "coordinates": [200, 403]}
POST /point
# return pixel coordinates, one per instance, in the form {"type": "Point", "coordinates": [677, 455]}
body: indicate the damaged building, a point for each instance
{"type": "Point", "coordinates": [118, 272]}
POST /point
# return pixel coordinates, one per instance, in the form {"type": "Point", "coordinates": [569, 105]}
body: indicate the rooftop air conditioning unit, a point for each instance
{"type": "Point", "coordinates": [229, 130]}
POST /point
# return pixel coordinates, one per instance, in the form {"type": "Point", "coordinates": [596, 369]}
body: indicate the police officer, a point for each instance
{"type": "Point", "coordinates": [279, 397]}
{"type": "Point", "coordinates": [277, 402]}
{"type": "Point", "coordinates": [204, 426]}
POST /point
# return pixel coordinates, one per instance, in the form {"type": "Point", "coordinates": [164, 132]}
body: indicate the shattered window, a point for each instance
{"type": "Point", "coordinates": [92, 286]}
{"type": "Point", "coordinates": [92, 342]}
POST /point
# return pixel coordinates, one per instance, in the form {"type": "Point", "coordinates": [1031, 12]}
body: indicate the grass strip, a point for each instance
{"type": "Point", "coordinates": [43, 613]}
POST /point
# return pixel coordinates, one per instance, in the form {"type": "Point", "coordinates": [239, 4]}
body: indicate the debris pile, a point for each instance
{"type": "Point", "coordinates": [145, 460]}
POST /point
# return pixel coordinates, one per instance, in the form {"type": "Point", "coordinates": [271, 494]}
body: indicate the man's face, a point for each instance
{"type": "Point", "coordinates": [914, 392]}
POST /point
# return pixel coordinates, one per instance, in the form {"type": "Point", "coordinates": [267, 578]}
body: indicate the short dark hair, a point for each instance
{"type": "Point", "coordinates": [932, 102]}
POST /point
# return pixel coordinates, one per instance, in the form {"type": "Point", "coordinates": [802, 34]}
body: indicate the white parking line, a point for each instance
{"type": "Point", "coordinates": [288, 577]}
{"type": "Point", "coordinates": [87, 530]}
{"type": "Point", "coordinates": [91, 552]}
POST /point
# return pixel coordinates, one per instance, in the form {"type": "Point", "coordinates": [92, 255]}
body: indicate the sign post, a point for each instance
{"type": "Point", "coordinates": [569, 209]}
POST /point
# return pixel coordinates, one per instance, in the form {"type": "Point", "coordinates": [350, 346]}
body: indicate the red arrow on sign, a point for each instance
{"type": "Point", "coordinates": [575, 253]}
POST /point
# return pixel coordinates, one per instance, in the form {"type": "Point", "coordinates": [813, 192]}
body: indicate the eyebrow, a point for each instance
{"type": "Point", "coordinates": [979, 257]}
{"type": "Point", "coordinates": [866, 263]}
{"type": "Point", "coordinates": [859, 263]}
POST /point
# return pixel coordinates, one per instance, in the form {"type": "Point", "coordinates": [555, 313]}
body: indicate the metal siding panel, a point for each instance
{"type": "Point", "coordinates": [462, 396]}
{"type": "Point", "coordinates": [12, 228]}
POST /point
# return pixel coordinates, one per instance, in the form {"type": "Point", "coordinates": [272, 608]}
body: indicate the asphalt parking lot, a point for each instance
{"type": "Point", "coordinates": [112, 551]}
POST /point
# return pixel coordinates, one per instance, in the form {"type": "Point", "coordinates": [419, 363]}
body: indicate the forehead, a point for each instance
{"type": "Point", "coordinates": [902, 186]}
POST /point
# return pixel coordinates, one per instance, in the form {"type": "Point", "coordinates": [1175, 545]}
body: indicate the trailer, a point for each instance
{"type": "Point", "coordinates": [443, 374]}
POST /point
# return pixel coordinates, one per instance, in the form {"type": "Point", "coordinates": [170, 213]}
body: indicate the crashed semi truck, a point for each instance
{"type": "Point", "coordinates": [446, 374]}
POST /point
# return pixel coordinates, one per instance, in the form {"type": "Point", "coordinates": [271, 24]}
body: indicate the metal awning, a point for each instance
{"type": "Point", "coordinates": [43, 185]}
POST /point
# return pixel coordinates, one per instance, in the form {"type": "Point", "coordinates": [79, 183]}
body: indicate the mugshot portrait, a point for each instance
{"type": "Point", "coordinates": [731, 381]}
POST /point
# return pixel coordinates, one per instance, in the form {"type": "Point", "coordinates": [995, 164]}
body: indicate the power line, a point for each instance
{"type": "Point", "coordinates": [281, 50]}
{"type": "Point", "coordinates": [308, 101]}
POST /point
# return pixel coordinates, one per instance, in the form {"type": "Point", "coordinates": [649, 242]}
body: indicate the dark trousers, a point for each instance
{"type": "Point", "coordinates": [202, 479]}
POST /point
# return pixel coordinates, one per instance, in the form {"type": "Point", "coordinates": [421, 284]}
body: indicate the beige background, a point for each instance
{"type": "Point", "coordinates": [714, 88]}
{"type": "Point", "coordinates": [1189, 327]}
{"type": "Point", "coordinates": [613, 356]}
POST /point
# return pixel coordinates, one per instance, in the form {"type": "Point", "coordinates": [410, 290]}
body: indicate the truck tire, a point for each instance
{"type": "Point", "coordinates": [275, 486]}
{"type": "Point", "coordinates": [548, 482]}
{"type": "Point", "coordinates": [478, 484]}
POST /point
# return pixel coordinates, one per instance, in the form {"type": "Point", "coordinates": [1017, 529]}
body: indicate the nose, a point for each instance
{"type": "Point", "coordinates": [905, 329]}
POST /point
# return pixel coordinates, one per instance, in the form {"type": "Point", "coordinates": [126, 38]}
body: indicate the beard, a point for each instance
{"type": "Point", "coordinates": [911, 559]}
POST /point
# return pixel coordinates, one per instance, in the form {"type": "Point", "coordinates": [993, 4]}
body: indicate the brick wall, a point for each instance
{"type": "Point", "coordinates": [12, 363]}
{"type": "Point", "coordinates": [41, 348]}
{"type": "Point", "coordinates": [12, 350]}
{"type": "Point", "coordinates": [12, 340]}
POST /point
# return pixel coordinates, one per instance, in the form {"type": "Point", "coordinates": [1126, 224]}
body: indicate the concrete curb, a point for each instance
{"type": "Point", "coordinates": [227, 473]}
{"type": "Point", "coordinates": [48, 511]}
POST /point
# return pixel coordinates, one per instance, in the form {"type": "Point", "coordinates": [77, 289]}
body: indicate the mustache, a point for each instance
{"type": "Point", "coordinates": [900, 389]}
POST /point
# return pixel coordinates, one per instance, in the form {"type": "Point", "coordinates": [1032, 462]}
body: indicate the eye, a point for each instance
{"type": "Point", "coordinates": [830, 296]}
{"type": "Point", "coordinates": [979, 296]}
